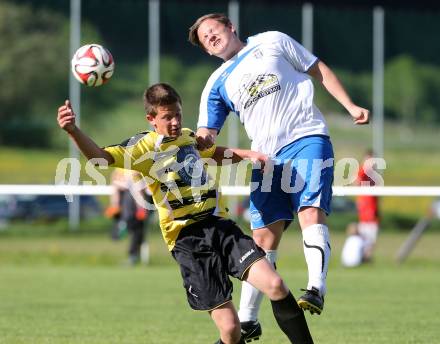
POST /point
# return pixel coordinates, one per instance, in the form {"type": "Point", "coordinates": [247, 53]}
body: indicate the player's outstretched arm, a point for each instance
{"type": "Point", "coordinates": [321, 72]}
{"type": "Point", "coordinates": [223, 156]}
{"type": "Point", "coordinates": [66, 121]}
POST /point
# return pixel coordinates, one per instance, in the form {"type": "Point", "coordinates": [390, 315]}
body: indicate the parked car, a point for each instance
{"type": "Point", "coordinates": [47, 207]}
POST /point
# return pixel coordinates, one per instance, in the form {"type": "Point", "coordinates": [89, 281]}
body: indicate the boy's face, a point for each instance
{"type": "Point", "coordinates": [215, 37]}
{"type": "Point", "coordinates": [168, 120]}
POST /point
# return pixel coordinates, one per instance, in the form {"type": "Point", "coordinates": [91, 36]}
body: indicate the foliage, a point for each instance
{"type": "Point", "coordinates": [189, 80]}
{"type": "Point", "coordinates": [34, 42]}
{"type": "Point", "coordinates": [410, 91]}
{"type": "Point", "coordinates": [34, 70]}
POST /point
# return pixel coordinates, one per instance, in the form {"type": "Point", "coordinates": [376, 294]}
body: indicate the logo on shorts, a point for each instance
{"type": "Point", "coordinates": [247, 254]}
{"type": "Point", "coordinates": [255, 216]}
{"type": "Point", "coordinates": [191, 292]}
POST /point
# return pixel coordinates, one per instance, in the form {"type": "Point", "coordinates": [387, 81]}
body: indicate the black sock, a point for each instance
{"type": "Point", "coordinates": [291, 320]}
{"type": "Point", "coordinates": [240, 342]}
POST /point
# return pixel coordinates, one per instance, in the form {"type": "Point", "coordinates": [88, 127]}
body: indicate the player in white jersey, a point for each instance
{"type": "Point", "coordinates": [266, 82]}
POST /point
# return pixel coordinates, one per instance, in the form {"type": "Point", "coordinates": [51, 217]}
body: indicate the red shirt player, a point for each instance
{"type": "Point", "coordinates": [368, 208]}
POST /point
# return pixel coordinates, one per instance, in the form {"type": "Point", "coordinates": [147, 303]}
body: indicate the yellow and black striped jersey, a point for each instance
{"type": "Point", "coordinates": [176, 175]}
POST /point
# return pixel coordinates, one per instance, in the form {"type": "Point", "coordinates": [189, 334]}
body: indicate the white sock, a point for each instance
{"type": "Point", "coordinates": [145, 253]}
{"type": "Point", "coordinates": [368, 231]}
{"type": "Point", "coordinates": [316, 243]}
{"type": "Point", "coordinates": [250, 299]}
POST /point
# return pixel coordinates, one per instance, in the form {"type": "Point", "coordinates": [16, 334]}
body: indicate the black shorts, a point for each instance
{"type": "Point", "coordinates": [207, 252]}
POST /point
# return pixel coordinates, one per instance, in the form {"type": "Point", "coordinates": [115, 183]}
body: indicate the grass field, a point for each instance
{"type": "Point", "coordinates": [74, 289]}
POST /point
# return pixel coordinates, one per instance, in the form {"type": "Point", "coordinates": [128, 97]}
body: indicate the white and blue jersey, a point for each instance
{"type": "Point", "coordinates": [267, 86]}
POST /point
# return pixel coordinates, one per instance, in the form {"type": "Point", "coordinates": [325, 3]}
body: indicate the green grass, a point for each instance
{"type": "Point", "coordinates": [28, 166]}
{"type": "Point", "coordinates": [74, 289]}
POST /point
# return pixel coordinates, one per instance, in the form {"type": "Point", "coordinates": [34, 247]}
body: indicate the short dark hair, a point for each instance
{"type": "Point", "coordinates": [159, 94]}
{"type": "Point", "coordinates": [193, 37]}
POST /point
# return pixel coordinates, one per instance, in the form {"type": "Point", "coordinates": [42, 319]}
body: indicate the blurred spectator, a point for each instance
{"type": "Point", "coordinates": [368, 218]}
{"type": "Point", "coordinates": [435, 209]}
{"type": "Point", "coordinates": [368, 208]}
{"type": "Point", "coordinates": [129, 215]}
{"type": "Point", "coordinates": [353, 250]}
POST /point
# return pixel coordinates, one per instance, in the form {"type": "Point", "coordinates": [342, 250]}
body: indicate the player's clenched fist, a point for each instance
{"type": "Point", "coordinates": [66, 117]}
{"type": "Point", "coordinates": [359, 114]}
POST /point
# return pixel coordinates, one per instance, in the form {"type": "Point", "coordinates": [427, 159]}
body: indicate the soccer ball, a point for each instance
{"type": "Point", "coordinates": [92, 65]}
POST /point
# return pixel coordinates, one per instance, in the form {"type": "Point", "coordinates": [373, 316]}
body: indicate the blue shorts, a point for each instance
{"type": "Point", "coordinates": [302, 177]}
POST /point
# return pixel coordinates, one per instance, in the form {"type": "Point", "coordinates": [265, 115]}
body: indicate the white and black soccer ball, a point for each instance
{"type": "Point", "coordinates": [92, 65]}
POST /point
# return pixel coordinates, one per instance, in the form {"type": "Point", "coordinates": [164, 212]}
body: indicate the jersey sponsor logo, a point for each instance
{"type": "Point", "coordinates": [258, 54]}
{"type": "Point", "coordinates": [263, 85]}
{"type": "Point", "coordinates": [190, 291]}
{"type": "Point", "coordinates": [191, 169]}
{"type": "Point", "coordinates": [247, 254]}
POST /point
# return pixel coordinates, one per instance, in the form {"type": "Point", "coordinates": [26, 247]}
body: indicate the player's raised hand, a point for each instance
{"type": "Point", "coordinates": [359, 114]}
{"type": "Point", "coordinates": [66, 117]}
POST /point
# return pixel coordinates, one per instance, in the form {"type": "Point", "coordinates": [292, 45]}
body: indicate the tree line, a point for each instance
{"type": "Point", "coordinates": [35, 63]}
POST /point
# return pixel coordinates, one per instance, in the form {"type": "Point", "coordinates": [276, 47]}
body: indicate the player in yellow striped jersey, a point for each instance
{"type": "Point", "coordinates": [207, 246]}
{"type": "Point", "coordinates": [177, 178]}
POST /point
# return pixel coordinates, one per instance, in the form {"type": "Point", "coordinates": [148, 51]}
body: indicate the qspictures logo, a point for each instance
{"type": "Point", "coordinates": [263, 85]}
{"type": "Point", "coordinates": [190, 169]}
